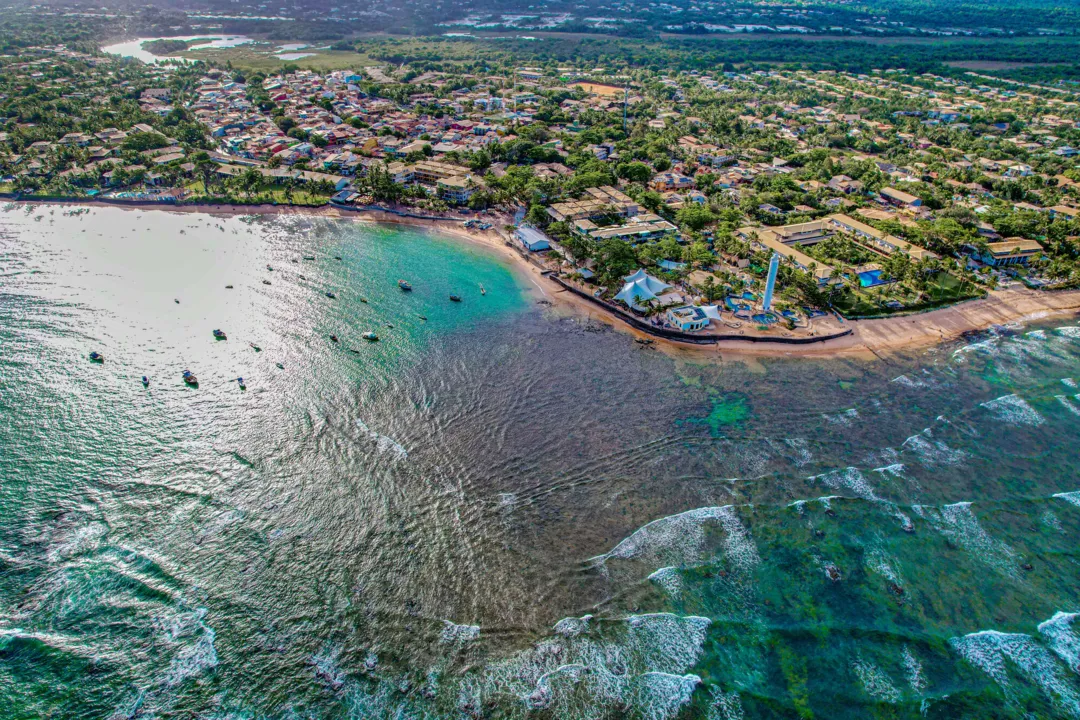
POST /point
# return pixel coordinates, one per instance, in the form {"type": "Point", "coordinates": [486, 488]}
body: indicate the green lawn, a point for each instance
{"type": "Point", "coordinates": [942, 289]}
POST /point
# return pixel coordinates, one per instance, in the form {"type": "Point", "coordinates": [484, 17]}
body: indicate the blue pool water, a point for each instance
{"type": "Point", "coordinates": [871, 278]}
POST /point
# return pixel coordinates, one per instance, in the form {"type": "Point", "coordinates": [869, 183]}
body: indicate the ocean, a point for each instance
{"type": "Point", "coordinates": [498, 510]}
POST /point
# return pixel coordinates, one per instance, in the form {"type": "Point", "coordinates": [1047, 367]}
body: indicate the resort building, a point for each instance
{"type": "Point", "coordinates": [688, 318]}
{"type": "Point", "coordinates": [430, 172]}
{"type": "Point", "coordinates": [1011, 251]}
{"type": "Point", "coordinates": [766, 239]}
{"type": "Point", "coordinates": [457, 190]}
{"type": "Point", "coordinates": [639, 229]}
{"type": "Point", "coordinates": [876, 239]}
{"type": "Point", "coordinates": [597, 202]}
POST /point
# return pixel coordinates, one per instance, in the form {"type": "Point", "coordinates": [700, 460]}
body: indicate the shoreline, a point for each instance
{"type": "Point", "coordinates": [874, 338]}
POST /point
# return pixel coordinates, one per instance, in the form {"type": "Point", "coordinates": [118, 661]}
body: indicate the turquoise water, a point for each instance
{"type": "Point", "coordinates": [499, 512]}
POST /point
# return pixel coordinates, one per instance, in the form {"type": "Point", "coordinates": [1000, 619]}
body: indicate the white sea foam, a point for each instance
{"type": "Point", "coordinates": [908, 381]}
{"type": "Point", "coordinates": [572, 626]}
{"type": "Point", "coordinates": [82, 539]}
{"type": "Point", "coordinates": [458, 634]}
{"type": "Point", "coordinates": [661, 695]}
{"type": "Point", "coordinates": [194, 641]}
{"type": "Point", "coordinates": [669, 579]}
{"type": "Point", "coordinates": [825, 500]}
{"type": "Point", "coordinates": [932, 452]}
{"type": "Point", "coordinates": [636, 665]}
{"type": "Point", "coordinates": [875, 681]}
{"type": "Point", "coordinates": [1069, 404]}
{"type": "Point", "coordinates": [843, 419]}
{"type": "Point", "coordinates": [193, 660]}
{"type": "Point", "coordinates": [801, 448]}
{"type": "Point", "coordinates": [680, 539]}
{"type": "Point", "coordinates": [738, 545]}
{"type": "Point", "coordinates": [1068, 331]}
{"type": "Point", "coordinates": [988, 651]}
{"type": "Point", "coordinates": [914, 670]}
{"type": "Point", "coordinates": [725, 706]}
{"type": "Point", "coordinates": [1061, 635]}
{"type": "Point", "coordinates": [958, 523]}
{"type": "Point", "coordinates": [1069, 382]}
{"type": "Point", "coordinates": [384, 444]}
{"type": "Point", "coordinates": [1037, 334]}
{"type": "Point", "coordinates": [1052, 521]}
{"type": "Point", "coordinates": [849, 478]}
{"type": "Point", "coordinates": [878, 561]}
{"type": "Point", "coordinates": [1073, 498]}
{"type": "Point", "coordinates": [1014, 410]}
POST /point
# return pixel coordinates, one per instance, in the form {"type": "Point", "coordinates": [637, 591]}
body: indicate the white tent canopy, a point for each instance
{"type": "Point", "coordinates": [654, 285]}
{"type": "Point", "coordinates": [636, 292]}
{"type": "Point", "coordinates": [711, 311]}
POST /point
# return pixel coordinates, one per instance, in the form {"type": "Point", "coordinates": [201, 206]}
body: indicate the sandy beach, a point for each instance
{"type": "Point", "coordinates": [868, 339]}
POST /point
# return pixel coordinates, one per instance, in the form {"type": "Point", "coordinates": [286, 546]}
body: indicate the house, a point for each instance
{"type": "Point", "coordinates": [1010, 251]}
{"type": "Point", "coordinates": [1018, 170]}
{"type": "Point", "coordinates": [688, 318]}
{"type": "Point", "coordinates": [1069, 214]}
{"type": "Point", "coordinates": [532, 239]}
{"type": "Point", "coordinates": [900, 198]}
{"type": "Point", "coordinates": [671, 181]}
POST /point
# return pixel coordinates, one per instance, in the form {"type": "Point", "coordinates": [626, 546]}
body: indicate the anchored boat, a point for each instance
{"type": "Point", "coordinates": [97, 357]}
{"type": "Point", "coordinates": [404, 285]}
{"type": "Point", "coordinates": [370, 335]}
{"type": "Point", "coordinates": [190, 379]}
{"type": "Point", "coordinates": [219, 335]}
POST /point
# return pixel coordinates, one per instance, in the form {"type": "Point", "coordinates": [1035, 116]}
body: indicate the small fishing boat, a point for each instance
{"type": "Point", "coordinates": [354, 351]}
{"type": "Point", "coordinates": [309, 257]}
{"type": "Point", "coordinates": [228, 287]}
{"type": "Point", "coordinates": [330, 295]}
{"type": "Point", "coordinates": [241, 383]}
{"type": "Point", "coordinates": [302, 277]}
{"type": "Point", "coordinates": [255, 347]}
{"type": "Point", "coordinates": [333, 338]}
{"type": "Point", "coordinates": [176, 301]}
{"type": "Point", "coordinates": [422, 317]}
{"type": "Point", "coordinates": [404, 285]}
{"type": "Point", "coordinates": [455, 298]}
{"type": "Point", "coordinates": [281, 366]}
{"type": "Point", "coordinates": [265, 282]}
{"type": "Point", "coordinates": [482, 290]}
{"type": "Point", "coordinates": [190, 379]}
{"type": "Point", "coordinates": [219, 335]}
{"type": "Point", "coordinates": [270, 268]}
{"type": "Point", "coordinates": [363, 300]}
{"type": "Point", "coordinates": [337, 257]}
{"type": "Point", "coordinates": [370, 335]}
{"type": "Point", "coordinates": [97, 357]}
{"type": "Point", "coordinates": [390, 325]}
{"type": "Point", "coordinates": [145, 381]}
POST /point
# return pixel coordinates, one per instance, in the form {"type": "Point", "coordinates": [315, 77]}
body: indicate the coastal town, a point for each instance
{"type": "Point", "coordinates": [773, 204]}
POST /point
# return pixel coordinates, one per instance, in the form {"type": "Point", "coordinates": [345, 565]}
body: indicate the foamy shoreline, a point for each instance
{"type": "Point", "coordinates": [870, 338]}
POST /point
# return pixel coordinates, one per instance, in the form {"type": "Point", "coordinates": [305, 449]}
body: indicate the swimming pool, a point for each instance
{"type": "Point", "coordinates": [871, 278]}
